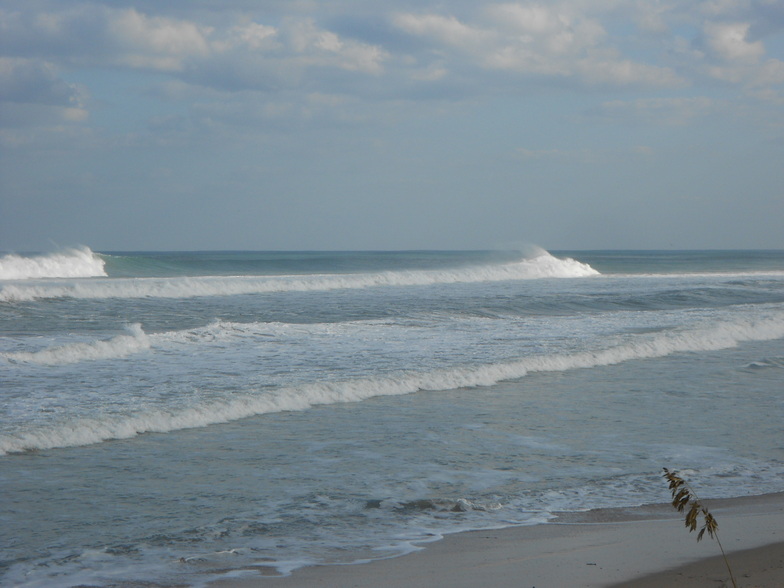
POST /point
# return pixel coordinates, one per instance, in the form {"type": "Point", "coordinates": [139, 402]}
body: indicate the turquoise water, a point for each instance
{"type": "Point", "coordinates": [170, 416]}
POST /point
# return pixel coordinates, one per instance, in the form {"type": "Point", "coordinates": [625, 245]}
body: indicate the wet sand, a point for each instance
{"type": "Point", "coordinates": [640, 547]}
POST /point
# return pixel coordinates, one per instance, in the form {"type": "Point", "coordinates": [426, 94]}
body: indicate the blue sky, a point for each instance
{"type": "Point", "coordinates": [239, 124]}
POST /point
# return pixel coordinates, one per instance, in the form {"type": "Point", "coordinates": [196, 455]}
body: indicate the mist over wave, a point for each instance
{"type": "Point", "coordinates": [544, 265]}
{"type": "Point", "coordinates": [705, 337]}
{"type": "Point", "coordinates": [78, 262]}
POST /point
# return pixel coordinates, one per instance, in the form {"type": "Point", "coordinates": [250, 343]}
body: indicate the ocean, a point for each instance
{"type": "Point", "coordinates": [174, 418]}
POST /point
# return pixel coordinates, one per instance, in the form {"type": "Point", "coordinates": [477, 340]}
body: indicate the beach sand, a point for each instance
{"type": "Point", "coordinates": [637, 547]}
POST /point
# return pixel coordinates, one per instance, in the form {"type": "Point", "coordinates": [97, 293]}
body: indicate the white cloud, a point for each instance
{"type": "Point", "coordinates": [100, 35]}
{"type": "Point", "coordinates": [36, 81]}
{"type": "Point", "coordinates": [651, 16]}
{"type": "Point", "coordinates": [770, 73]}
{"type": "Point", "coordinates": [31, 90]}
{"type": "Point", "coordinates": [553, 40]}
{"type": "Point", "coordinates": [715, 8]}
{"type": "Point", "coordinates": [765, 75]}
{"type": "Point", "coordinates": [466, 49]}
{"type": "Point", "coordinates": [432, 73]}
{"type": "Point", "coordinates": [250, 35]}
{"type": "Point", "coordinates": [731, 57]}
{"type": "Point", "coordinates": [444, 29]}
{"type": "Point", "coordinates": [556, 28]}
{"type": "Point", "coordinates": [155, 42]}
{"type": "Point", "coordinates": [626, 72]}
{"type": "Point", "coordinates": [770, 96]}
{"type": "Point", "coordinates": [313, 46]}
{"type": "Point", "coordinates": [729, 42]}
{"type": "Point", "coordinates": [87, 34]}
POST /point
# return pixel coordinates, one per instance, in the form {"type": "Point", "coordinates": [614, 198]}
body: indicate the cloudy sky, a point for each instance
{"type": "Point", "coordinates": [395, 124]}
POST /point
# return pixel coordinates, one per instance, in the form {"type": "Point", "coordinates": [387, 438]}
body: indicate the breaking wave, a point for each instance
{"type": "Point", "coordinates": [78, 262]}
{"type": "Point", "coordinates": [120, 346]}
{"type": "Point", "coordinates": [93, 430]}
{"type": "Point", "coordinates": [544, 265]}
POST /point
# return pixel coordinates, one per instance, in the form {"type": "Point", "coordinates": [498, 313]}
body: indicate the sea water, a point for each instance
{"type": "Point", "coordinates": [179, 417]}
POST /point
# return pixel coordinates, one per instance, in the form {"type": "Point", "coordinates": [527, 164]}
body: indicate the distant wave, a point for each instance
{"type": "Point", "coordinates": [767, 363]}
{"type": "Point", "coordinates": [78, 262]}
{"type": "Point", "coordinates": [750, 274]}
{"type": "Point", "coordinates": [120, 346]}
{"type": "Point", "coordinates": [87, 431]}
{"type": "Point", "coordinates": [541, 266]}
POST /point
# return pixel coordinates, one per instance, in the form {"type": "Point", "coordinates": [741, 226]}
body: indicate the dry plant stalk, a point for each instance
{"type": "Point", "coordinates": [682, 497]}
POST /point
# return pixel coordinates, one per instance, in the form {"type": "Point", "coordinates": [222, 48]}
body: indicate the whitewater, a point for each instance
{"type": "Point", "coordinates": [542, 266]}
{"type": "Point", "coordinates": [236, 409]}
{"type": "Point", "coordinates": [78, 262]}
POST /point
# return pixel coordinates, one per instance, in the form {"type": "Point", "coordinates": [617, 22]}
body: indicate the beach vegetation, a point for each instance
{"type": "Point", "coordinates": [684, 499]}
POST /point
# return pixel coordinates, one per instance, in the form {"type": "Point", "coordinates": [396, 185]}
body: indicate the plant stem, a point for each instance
{"type": "Point", "coordinates": [683, 494]}
{"type": "Point", "coordinates": [726, 561]}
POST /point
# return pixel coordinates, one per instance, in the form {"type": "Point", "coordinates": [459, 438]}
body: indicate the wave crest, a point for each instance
{"type": "Point", "coordinates": [92, 430]}
{"type": "Point", "coordinates": [543, 265]}
{"type": "Point", "coordinates": [120, 346]}
{"type": "Point", "coordinates": [79, 262]}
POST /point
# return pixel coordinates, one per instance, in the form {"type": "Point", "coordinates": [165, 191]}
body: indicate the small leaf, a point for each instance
{"type": "Point", "coordinates": [710, 523]}
{"type": "Point", "coordinates": [681, 499]}
{"type": "Point", "coordinates": [691, 517]}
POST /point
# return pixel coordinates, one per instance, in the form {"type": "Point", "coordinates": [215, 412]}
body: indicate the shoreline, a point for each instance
{"type": "Point", "coordinates": [636, 547]}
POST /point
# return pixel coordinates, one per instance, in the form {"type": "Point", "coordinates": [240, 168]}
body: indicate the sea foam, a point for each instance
{"type": "Point", "coordinates": [120, 346]}
{"type": "Point", "coordinates": [715, 336]}
{"type": "Point", "coordinates": [79, 262]}
{"type": "Point", "coordinates": [541, 266]}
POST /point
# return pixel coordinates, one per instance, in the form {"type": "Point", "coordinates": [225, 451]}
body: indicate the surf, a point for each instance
{"type": "Point", "coordinates": [542, 266]}
{"type": "Point", "coordinates": [708, 336]}
{"type": "Point", "coordinates": [120, 346]}
{"type": "Point", "coordinates": [78, 262]}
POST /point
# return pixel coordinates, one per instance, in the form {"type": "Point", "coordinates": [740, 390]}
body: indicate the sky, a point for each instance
{"type": "Point", "coordinates": [394, 124]}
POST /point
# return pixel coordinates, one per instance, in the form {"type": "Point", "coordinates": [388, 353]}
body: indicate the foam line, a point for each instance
{"type": "Point", "coordinates": [86, 431]}
{"type": "Point", "coordinates": [120, 346]}
{"type": "Point", "coordinates": [542, 266]}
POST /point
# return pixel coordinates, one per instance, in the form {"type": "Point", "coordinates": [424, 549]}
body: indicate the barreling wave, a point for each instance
{"type": "Point", "coordinates": [544, 265]}
{"type": "Point", "coordinates": [78, 262]}
{"type": "Point", "coordinates": [120, 346]}
{"type": "Point", "coordinates": [93, 430]}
